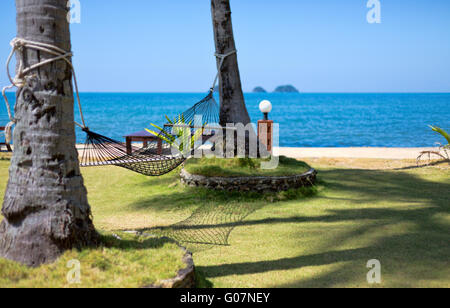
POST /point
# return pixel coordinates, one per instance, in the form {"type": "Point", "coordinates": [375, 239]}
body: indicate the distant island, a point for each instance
{"type": "Point", "coordinates": [286, 89]}
{"type": "Point", "coordinates": [259, 90]}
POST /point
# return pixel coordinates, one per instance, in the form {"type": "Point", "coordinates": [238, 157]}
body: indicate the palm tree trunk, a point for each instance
{"type": "Point", "coordinates": [45, 207]}
{"type": "Point", "coordinates": [232, 103]}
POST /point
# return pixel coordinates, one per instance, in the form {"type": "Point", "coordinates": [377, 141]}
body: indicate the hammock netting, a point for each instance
{"type": "Point", "coordinates": [158, 157]}
{"type": "Point", "coordinates": [161, 155]}
{"type": "Point", "coordinates": [210, 225]}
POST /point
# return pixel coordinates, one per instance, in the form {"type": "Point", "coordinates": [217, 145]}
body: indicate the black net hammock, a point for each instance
{"type": "Point", "coordinates": [166, 152]}
{"type": "Point", "coordinates": [170, 148]}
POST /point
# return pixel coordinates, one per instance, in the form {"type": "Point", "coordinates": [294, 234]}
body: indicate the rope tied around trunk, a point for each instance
{"type": "Point", "coordinates": [222, 58]}
{"type": "Point", "coordinates": [23, 74]}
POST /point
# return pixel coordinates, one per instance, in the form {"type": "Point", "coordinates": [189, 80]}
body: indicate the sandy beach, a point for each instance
{"type": "Point", "coordinates": [351, 152]}
{"type": "Point", "coordinates": [354, 152]}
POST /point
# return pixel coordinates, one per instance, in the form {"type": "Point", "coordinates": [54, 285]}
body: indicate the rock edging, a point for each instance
{"type": "Point", "coordinates": [185, 277]}
{"type": "Point", "coordinates": [253, 183]}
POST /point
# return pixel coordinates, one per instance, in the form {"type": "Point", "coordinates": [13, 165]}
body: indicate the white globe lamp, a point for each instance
{"type": "Point", "coordinates": [266, 107]}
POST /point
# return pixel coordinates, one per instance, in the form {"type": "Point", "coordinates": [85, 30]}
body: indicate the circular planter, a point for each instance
{"type": "Point", "coordinates": [253, 183]}
{"type": "Point", "coordinates": [185, 277]}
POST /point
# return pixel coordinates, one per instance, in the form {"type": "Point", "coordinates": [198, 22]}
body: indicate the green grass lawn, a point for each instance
{"type": "Point", "coordinates": [131, 262]}
{"type": "Point", "coordinates": [244, 167]}
{"type": "Point", "coordinates": [307, 238]}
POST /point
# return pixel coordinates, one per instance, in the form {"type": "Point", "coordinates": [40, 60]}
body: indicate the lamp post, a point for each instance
{"type": "Point", "coordinates": [265, 127]}
{"type": "Point", "coordinates": [265, 107]}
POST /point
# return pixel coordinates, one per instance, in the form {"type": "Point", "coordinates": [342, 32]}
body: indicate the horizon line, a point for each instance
{"type": "Point", "coordinates": [250, 92]}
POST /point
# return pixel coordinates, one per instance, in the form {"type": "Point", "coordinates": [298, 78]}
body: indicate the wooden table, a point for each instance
{"type": "Point", "coordinates": [8, 147]}
{"type": "Point", "coordinates": [144, 137]}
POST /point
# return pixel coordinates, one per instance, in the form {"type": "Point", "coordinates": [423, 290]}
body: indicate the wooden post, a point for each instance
{"type": "Point", "coordinates": [129, 149]}
{"type": "Point", "coordinates": [159, 146]}
{"type": "Point", "coordinates": [265, 133]}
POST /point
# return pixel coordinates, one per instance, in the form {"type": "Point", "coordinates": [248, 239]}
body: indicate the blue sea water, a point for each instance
{"type": "Point", "coordinates": [306, 120]}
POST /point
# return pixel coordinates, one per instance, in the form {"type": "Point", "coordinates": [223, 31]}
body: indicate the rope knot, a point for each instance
{"type": "Point", "coordinates": [222, 58]}
{"type": "Point", "coordinates": [19, 82]}
{"type": "Point", "coordinates": [17, 43]}
{"type": "Point", "coordinates": [24, 74]}
{"type": "Point", "coordinates": [224, 55]}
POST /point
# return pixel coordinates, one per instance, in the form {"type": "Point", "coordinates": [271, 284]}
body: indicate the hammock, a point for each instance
{"type": "Point", "coordinates": [98, 150]}
{"type": "Point", "coordinates": [157, 158]}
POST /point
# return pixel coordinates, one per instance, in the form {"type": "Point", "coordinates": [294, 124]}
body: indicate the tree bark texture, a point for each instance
{"type": "Point", "coordinates": [45, 208]}
{"type": "Point", "coordinates": [232, 103]}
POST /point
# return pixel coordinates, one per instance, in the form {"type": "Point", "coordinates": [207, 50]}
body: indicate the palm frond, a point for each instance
{"type": "Point", "coordinates": [161, 133]}
{"type": "Point", "coordinates": [181, 137]}
{"type": "Point", "coordinates": [168, 119]}
{"type": "Point", "coordinates": [442, 132]}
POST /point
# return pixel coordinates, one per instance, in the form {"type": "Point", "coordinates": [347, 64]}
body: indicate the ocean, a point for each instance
{"type": "Point", "coordinates": [305, 120]}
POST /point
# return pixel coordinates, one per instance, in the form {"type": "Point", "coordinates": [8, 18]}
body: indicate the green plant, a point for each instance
{"type": "Point", "coordinates": [181, 137]}
{"type": "Point", "coordinates": [441, 132]}
{"type": "Point", "coordinates": [442, 152]}
{"type": "Point", "coordinates": [247, 162]}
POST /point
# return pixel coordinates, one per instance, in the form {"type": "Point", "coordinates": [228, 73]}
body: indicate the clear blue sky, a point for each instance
{"type": "Point", "coordinates": [318, 46]}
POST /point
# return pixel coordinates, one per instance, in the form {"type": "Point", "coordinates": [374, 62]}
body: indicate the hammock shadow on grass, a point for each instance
{"type": "Point", "coordinates": [209, 225]}
{"type": "Point", "coordinates": [212, 223]}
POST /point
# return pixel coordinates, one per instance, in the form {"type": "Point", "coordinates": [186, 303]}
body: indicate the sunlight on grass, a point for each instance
{"type": "Point", "coordinates": [360, 210]}
{"type": "Point", "coordinates": [243, 167]}
{"type": "Point", "coordinates": [129, 262]}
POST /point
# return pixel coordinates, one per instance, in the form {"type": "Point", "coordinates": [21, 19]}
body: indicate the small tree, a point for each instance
{"type": "Point", "coordinates": [45, 207]}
